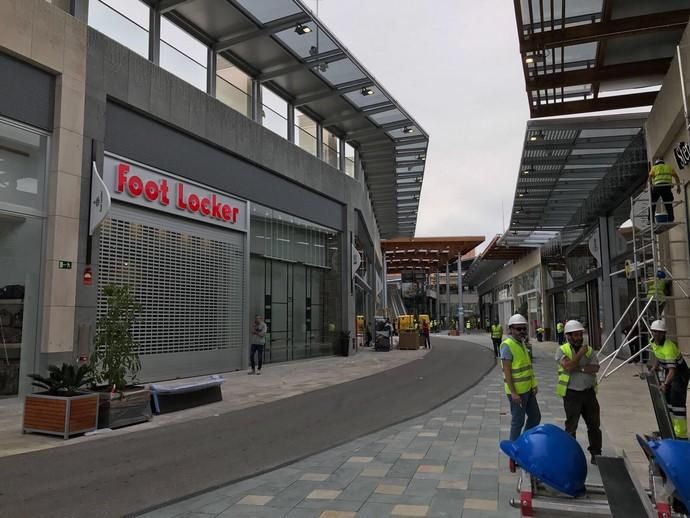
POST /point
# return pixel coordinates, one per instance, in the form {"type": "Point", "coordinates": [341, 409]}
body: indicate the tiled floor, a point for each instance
{"type": "Point", "coordinates": [443, 464]}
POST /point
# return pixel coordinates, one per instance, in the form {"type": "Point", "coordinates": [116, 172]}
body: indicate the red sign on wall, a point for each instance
{"type": "Point", "coordinates": [146, 187]}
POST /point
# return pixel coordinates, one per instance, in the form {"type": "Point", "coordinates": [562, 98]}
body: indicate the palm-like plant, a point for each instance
{"type": "Point", "coordinates": [65, 380]}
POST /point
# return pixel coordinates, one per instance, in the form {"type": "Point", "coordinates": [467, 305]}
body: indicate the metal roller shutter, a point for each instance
{"type": "Point", "coordinates": [190, 280]}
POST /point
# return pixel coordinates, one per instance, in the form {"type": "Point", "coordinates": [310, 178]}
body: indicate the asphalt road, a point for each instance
{"type": "Point", "coordinates": [125, 475]}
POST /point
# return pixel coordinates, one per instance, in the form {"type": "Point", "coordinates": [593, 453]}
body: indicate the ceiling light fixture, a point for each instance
{"type": "Point", "coordinates": [408, 129]}
{"type": "Point", "coordinates": [536, 136]}
{"type": "Point", "coordinates": [367, 90]}
{"type": "Point", "coordinates": [302, 29]}
{"type": "Point", "coordinates": [421, 157]}
{"type": "Point", "coordinates": [525, 172]}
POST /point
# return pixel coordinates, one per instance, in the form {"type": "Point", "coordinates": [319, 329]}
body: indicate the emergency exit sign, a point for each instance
{"type": "Point", "coordinates": [65, 265]}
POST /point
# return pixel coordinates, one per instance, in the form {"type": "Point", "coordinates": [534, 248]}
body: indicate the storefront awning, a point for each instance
{"type": "Point", "coordinates": [492, 259]}
{"type": "Point", "coordinates": [584, 56]}
{"type": "Point", "coordinates": [428, 253]}
{"type": "Point", "coordinates": [284, 46]}
{"type": "Point", "coordinates": [572, 171]}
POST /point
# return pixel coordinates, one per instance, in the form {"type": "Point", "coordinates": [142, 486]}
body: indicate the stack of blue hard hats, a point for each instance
{"type": "Point", "coordinates": [551, 455]}
{"type": "Point", "coordinates": [673, 457]}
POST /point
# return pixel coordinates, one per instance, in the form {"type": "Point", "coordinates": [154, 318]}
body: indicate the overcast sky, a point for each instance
{"type": "Point", "coordinates": [454, 65]}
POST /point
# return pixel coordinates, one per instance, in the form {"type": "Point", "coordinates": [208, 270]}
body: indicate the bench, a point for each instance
{"type": "Point", "coordinates": [171, 397]}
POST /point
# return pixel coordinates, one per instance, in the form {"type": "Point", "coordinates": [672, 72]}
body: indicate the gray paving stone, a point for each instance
{"type": "Point", "coordinates": [483, 482]}
{"type": "Point", "coordinates": [447, 503]}
{"type": "Point", "coordinates": [420, 487]}
{"type": "Point", "coordinates": [253, 511]}
{"type": "Point", "coordinates": [375, 510]}
{"type": "Point", "coordinates": [360, 489]}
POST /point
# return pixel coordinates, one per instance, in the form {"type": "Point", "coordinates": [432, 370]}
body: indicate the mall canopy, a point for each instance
{"type": "Point", "coordinates": [492, 259]}
{"type": "Point", "coordinates": [572, 171]}
{"type": "Point", "coordinates": [283, 45]}
{"type": "Point", "coordinates": [584, 56]}
{"type": "Point", "coordinates": [426, 253]}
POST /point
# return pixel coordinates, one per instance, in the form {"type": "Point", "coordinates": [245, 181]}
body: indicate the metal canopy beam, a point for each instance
{"type": "Point", "coordinates": [289, 68]}
{"type": "Point", "coordinates": [671, 20]}
{"type": "Point", "coordinates": [594, 105]}
{"type": "Point", "coordinates": [231, 40]}
{"type": "Point", "coordinates": [163, 6]}
{"type": "Point", "coordinates": [301, 100]}
{"type": "Point", "coordinates": [354, 115]}
{"type": "Point", "coordinates": [653, 67]}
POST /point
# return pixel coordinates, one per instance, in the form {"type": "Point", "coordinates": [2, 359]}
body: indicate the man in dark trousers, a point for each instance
{"type": "Point", "coordinates": [577, 384]}
{"type": "Point", "coordinates": [496, 336]}
{"type": "Point", "coordinates": [258, 340]}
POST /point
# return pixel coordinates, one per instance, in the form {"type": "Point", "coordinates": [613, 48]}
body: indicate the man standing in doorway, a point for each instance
{"type": "Point", "coordinates": [577, 384]}
{"type": "Point", "coordinates": [676, 376]}
{"type": "Point", "coordinates": [559, 333]}
{"type": "Point", "coordinates": [258, 342]}
{"type": "Point", "coordinates": [519, 382]}
{"type": "Point", "coordinates": [496, 336]}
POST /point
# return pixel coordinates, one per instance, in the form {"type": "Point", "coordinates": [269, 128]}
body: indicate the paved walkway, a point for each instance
{"type": "Point", "coordinates": [443, 464]}
{"type": "Point", "coordinates": [278, 381]}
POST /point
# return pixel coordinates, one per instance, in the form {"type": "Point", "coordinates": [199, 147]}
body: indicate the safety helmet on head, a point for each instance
{"type": "Point", "coordinates": [659, 161]}
{"type": "Point", "coordinates": [659, 325]}
{"type": "Point", "coordinates": [517, 320]}
{"type": "Point", "coordinates": [660, 274]}
{"type": "Point", "coordinates": [571, 326]}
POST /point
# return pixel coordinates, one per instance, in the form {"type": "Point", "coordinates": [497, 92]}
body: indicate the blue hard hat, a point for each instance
{"type": "Point", "coordinates": [661, 274]}
{"type": "Point", "coordinates": [551, 455]}
{"type": "Point", "coordinates": [673, 457]}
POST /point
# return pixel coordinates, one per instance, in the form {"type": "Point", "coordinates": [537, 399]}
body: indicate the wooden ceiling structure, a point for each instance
{"type": "Point", "coordinates": [584, 56]}
{"type": "Point", "coordinates": [426, 253]}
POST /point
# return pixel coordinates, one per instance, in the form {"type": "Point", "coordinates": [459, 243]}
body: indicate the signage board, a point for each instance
{"type": "Point", "coordinates": [147, 187]}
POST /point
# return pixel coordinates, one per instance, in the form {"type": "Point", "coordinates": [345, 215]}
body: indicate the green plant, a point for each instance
{"type": "Point", "coordinates": [115, 358]}
{"type": "Point", "coordinates": [65, 380]}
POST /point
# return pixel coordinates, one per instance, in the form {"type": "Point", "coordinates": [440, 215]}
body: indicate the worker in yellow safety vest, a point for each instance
{"type": "Point", "coordinates": [560, 338]}
{"type": "Point", "coordinates": [577, 385]}
{"type": "Point", "coordinates": [667, 356]}
{"type": "Point", "coordinates": [661, 179]}
{"type": "Point", "coordinates": [520, 383]}
{"type": "Point", "coordinates": [496, 336]}
{"type": "Point", "coordinates": [656, 287]}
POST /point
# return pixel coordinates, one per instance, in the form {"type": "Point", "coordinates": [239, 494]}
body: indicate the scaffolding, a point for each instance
{"type": "Point", "coordinates": [649, 269]}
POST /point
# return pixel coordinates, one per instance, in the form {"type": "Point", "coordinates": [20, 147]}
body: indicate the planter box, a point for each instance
{"type": "Point", "coordinates": [60, 415]}
{"type": "Point", "coordinates": [408, 340]}
{"type": "Point", "coordinates": [124, 408]}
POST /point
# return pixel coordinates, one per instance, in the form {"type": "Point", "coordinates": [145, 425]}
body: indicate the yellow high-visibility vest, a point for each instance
{"type": "Point", "coordinates": [662, 174]}
{"type": "Point", "coordinates": [521, 367]}
{"type": "Point", "coordinates": [564, 375]}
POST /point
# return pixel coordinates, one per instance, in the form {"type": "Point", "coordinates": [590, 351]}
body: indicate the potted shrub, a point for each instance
{"type": "Point", "coordinates": [64, 408]}
{"type": "Point", "coordinates": [115, 361]}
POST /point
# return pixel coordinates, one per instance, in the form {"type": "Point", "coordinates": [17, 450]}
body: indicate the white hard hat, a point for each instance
{"type": "Point", "coordinates": [517, 320]}
{"type": "Point", "coordinates": [573, 325]}
{"type": "Point", "coordinates": [659, 325]}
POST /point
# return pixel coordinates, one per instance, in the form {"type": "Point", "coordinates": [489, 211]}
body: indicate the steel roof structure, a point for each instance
{"type": "Point", "coordinates": [572, 171]}
{"type": "Point", "coordinates": [492, 259]}
{"type": "Point", "coordinates": [282, 44]}
{"type": "Point", "coordinates": [593, 55]}
{"type": "Point", "coordinates": [426, 252]}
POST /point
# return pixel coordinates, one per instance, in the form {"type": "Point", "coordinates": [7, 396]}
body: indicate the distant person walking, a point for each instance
{"type": "Point", "coordinates": [496, 336]}
{"type": "Point", "coordinates": [560, 336]}
{"type": "Point", "coordinates": [425, 334]}
{"type": "Point", "coordinates": [258, 340]}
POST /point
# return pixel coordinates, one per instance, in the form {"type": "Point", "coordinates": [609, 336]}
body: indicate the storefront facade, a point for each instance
{"type": "Point", "coordinates": [214, 218]}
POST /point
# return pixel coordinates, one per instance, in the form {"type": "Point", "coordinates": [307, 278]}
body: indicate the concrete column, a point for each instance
{"type": "Point", "coordinates": [155, 36]}
{"type": "Point", "coordinates": [461, 314]}
{"type": "Point", "coordinates": [257, 102]}
{"type": "Point", "coordinates": [211, 68]}
{"type": "Point", "coordinates": [385, 285]}
{"type": "Point", "coordinates": [606, 290]}
{"type": "Point", "coordinates": [291, 122]}
{"type": "Point", "coordinates": [341, 155]}
{"type": "Point", "coordinates": [80, 10]}
{"type": "Point", "coordinates": [319, 141]}
{"type": "Point", "coordinates": [447, 315]}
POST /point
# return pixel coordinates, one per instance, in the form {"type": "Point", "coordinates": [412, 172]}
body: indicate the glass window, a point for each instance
{"type": "Point", "coordinates": [233, 87]}
{"type": "Point", "coordinates": [22, 168]}
{"type": "Point", "coordinates": [125, 21]}
{"type": "Point", "coordinates": [268, 10]}
{"type": "Point", "coordinates": [349, 160]}
{"type": "Point", "coordinates": [305, 132]}
{"type": "Point", "coordinates": [183, 55]}
{"type": "Point", "coordinates": [274, 115]}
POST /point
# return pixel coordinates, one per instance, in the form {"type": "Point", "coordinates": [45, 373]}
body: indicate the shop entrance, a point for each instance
{"type": "Point", "coordinates": [290, 296]}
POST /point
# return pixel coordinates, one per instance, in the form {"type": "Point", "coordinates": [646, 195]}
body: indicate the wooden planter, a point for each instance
{"type": "Point", "coordinates": [124, 408]}
{"type": "Point", "coordinates": [60, 415]}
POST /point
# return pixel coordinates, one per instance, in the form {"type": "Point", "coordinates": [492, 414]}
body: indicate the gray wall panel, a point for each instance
{"type": "Point", "coordinates": [140, 138]}
{"type": "Point", "coordinates": [27, 94]}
